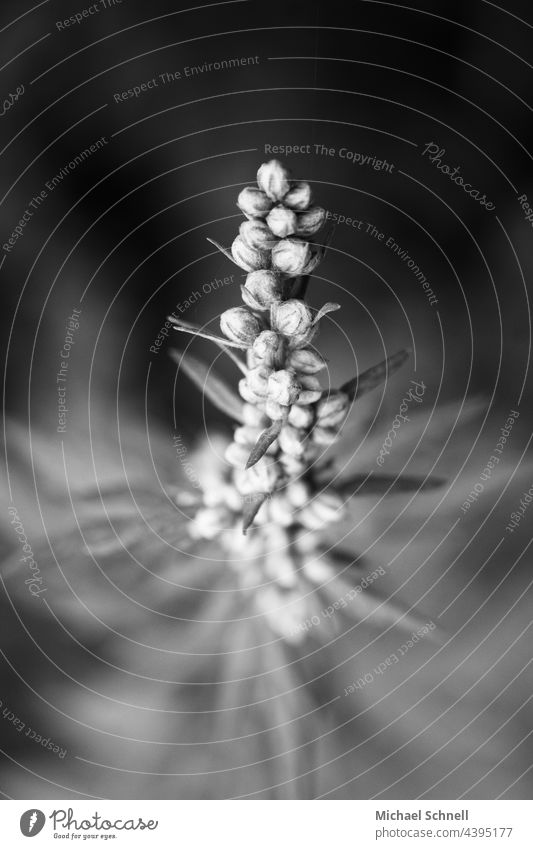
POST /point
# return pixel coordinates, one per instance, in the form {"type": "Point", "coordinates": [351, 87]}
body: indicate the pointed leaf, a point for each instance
{"type": "Point", "coordinates": [264, 442]}
{"type": "Point", "coordinates": [216, 389]}
{"type": "Point", "coordinates": [365, 485]}
{"type": "Point", "coordinates": [372, 377]}
{"type": "Point", "coordinates": [194, 330]}
{"type": "Point", "coordinates": [251, 506]}
{"type": "Point", "coordinates": [223, 250]}
{"type": "Point", "coordinates": [329, 307]}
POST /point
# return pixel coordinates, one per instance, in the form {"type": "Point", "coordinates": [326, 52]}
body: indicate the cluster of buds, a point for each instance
{"type": "Point", "coordinates": [273, 473]}
{"type": "Point", "coordinates": [287, 419]}
{"type": "Point", "coordinates": [280, 221]}
{"type": "Point", "coordinates": [286, 414]}
{"type": "Point", "coordinates": [281, 386]}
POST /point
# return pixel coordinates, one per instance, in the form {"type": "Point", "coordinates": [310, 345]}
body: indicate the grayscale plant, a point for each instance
{"type": "Point", "coordinates": [278, 474]}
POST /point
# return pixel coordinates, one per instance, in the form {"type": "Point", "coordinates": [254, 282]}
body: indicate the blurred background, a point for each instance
{"type": "Point", "coordinates": [126, 134]}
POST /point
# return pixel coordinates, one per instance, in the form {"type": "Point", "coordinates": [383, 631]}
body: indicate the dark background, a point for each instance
{"type": "Point", "coordinates": [123, 237]}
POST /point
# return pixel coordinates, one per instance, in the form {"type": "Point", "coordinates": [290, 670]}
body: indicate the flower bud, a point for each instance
{"type": "Point", "coordinates": [248, 258]}
{"type": "Point", "coordinates": [292, 441]}
{"type": "Point", "coordinates": [263, 477]}
{"type": "Point", "coordinates": [248, 394]}
{"type": "Point", "coordinates": [237, 455]}
{"type": "Point", "coordinates": [273, 179]}
{"type": "Point", "coordinates": [325, 435]}
{"type": "Point", "coordinates": [292, 257]}
{"type": "Point", "coordinates": [256, 234]}
{"type": "Point", "coordinates": [251, 360]}
{"type": "Point", "coordinates": [298, 493]}
{"type": "Point", "coordinates": [239, 325]}
{"type": "Point", "coordinates": [299, 195]}
{"type": "Point", "coordinates": [311, 390]}
{"type": "Point", "coordinates": [283, 387]}
{"type": "Point", "coordinates": [280, 510]}
{"type": "Point", "coordinates": [305, 361]}
{"type": "Point", "coordinates": [254, 203]}
{"type": "Point", "coordinates": [310, 221]}
{"type": "Point", "coordinates": [303, 339]}
{"type": "Point", "coordinates": [232, 498]}
{"type": "Point", "coordinates": [268, 347]}
{"type": "Point", "coordinates": [293, 466]}
{"type": "Point", "coordinates": [246, 435]}
{"type": "Point", "coordinates": [276, 411]}
{"type": "Point", "coordinates": [291, 317]}
{"type": "Point", "coordinates": [254, 417]}
{"type": "Point", "coordinates": [258, 380]}
{"type": "Point", "coordinates": [301, 417]}
{"type": "Point", "coordinates": [317, 569]}
{"type": "Point", "coordinates": [262, 289]}
{"type": "Point", "coordinates": [214, 495]}
{"type": "Point", "coordinates": [282, 221]}
{"type": "Point", "coordinates": [332, 410]}
{"type": "Point", "coordinates": [324, 509]}
{"type": "Point", "coordinates": [209, 522]}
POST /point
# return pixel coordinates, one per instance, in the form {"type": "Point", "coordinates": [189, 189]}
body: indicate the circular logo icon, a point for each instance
{"type": "Point", "coordinates": [32, 822]}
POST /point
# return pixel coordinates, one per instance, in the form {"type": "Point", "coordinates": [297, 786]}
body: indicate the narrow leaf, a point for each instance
{"type": "Point", "coordinates": [251, 506]}
{"type": "Point", "coordinates": [223, 250]}
{"type": "Point", "coordinates": [365, 485]}
{"type": "Point", "coordinates": [222, 343]}
{"type": "Point", "coordinates": [264, 442]}
{"type": "Point", "coordinates": [329, 307]}
{"type": "Point", "coordinates": [216, 389]}
{"type": "Point", "coordinates": [193, 330]}
{"type": "Point", "coordinates": [372, 377]}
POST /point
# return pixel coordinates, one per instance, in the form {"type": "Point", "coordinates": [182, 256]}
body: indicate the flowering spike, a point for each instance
{"type": "Point", "coordinates": [288, 419]}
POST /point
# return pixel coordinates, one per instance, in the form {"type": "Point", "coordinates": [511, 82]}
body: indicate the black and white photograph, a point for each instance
{"type": "Point", "coordinates": [267, 479]}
